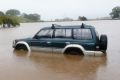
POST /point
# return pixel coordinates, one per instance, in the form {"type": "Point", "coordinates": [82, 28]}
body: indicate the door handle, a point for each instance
{"type": "Point", "coordinates": [67, 43]}
{"type": "Point", "coordinates": [48, 42]}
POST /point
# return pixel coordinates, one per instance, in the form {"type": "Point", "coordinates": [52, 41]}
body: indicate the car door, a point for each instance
{"type": "Point", "coordinates": [42, 40]}
{"type": "Point", "coordinates": [62, 37]}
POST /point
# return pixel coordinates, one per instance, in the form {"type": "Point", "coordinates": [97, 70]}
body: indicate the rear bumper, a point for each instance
{"type": "Point", "coordinates": [94, 53]}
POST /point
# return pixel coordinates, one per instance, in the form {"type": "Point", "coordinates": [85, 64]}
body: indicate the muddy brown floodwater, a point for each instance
{"type": "Point", "coordinates": [17, 65]}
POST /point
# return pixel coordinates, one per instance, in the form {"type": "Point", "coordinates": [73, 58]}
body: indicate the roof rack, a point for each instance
{"type": "Point", "coordinates": [83, 25]}
{"type": "Point", "coordinates": [55, 25]}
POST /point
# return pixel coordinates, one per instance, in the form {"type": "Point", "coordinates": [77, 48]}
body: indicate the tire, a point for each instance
{"type": "Point", "coordinates": [103, 42]}
{"type": "Point", "coordinates": [21, 47]}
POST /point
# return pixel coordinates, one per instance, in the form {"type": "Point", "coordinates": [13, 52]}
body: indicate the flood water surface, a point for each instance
{"type": "Point", "coordinates": [19, 65]}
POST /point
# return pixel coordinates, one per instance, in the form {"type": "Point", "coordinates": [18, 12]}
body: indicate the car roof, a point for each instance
{"type": "Point", "coordinates": [55, 26]}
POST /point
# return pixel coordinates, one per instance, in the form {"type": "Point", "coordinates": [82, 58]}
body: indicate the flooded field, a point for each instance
{"type": "Point", "coordinates": [17, 65]}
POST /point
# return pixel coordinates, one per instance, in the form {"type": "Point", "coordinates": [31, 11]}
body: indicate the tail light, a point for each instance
{"type": "Point", "coordinates": [97, 48]}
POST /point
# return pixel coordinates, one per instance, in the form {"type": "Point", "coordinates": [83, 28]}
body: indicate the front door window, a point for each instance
{"type": "Point", "coordinates": [45, 33]}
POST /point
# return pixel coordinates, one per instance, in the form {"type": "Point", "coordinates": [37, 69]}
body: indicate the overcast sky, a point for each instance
{"type": "Point", "coordinates": [52, 9]}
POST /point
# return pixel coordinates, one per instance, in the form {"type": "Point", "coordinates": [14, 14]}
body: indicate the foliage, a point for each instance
{"type": "Point", "coordinates": [64, 19]}
{"type": "Point", "coordinates": [21, 17]}
{"type": "Point", "coordinates": [0, 21]}
{"type": "Point", "coordinates": [33, 17]}
{"type": "Point", "coordinates": [1, 13]}
{"type": "Point", "coordinates": [9, 20]}
{"type": "Point", "coordinates": [115, 12]}
{"type": "Point", "coordinates": [24, 20]}
{"type": "Point", "coordinates": [82, 18]}
{"type": "Point", "coordinates": [13, 12]}
{"type": "Point", "coordinates": [5, 19]}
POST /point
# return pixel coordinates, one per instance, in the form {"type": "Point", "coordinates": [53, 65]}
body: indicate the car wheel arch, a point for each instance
{"type": "Point", "coordinates": [25, 44]}
{"type": "Point", "coordinates": [74, 46]}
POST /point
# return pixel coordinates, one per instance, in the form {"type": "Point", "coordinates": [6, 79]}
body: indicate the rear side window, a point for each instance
{"type": "Point", "coordinates": [68, 33]}
{"type": "Point", "coordinates": [83, 34]}
{"type": "Point", "coordinates": [63, 33]}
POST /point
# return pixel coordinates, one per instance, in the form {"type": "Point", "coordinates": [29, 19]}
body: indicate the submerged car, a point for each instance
{"type": "Point", "coordinates": [74, 39]}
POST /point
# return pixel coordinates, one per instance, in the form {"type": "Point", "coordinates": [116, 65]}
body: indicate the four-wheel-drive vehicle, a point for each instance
{"type": "Point", "coordinates": [79, 39]}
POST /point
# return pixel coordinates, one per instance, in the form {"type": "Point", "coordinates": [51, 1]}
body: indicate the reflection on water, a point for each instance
{"type": "Point", "coordinates": [20, 65]}
{"type": "Point", "coordinates": [67, 66]}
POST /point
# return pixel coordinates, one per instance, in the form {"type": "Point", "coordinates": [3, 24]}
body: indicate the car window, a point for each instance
{"type": "Point", "coordinates": [60, 33]}
{"type": "Point", "coordinates": [63, 33]}
{"type": "Point", "coordinates": [68, 33]}
{"type": "Point", "coordinates": [83, 34]}
{"type": "Point", "coordinates": [45, 33]}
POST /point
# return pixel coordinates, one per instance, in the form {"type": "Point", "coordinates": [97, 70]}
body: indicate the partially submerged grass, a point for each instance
{"type": "Point", "coordinates": [9, 21]}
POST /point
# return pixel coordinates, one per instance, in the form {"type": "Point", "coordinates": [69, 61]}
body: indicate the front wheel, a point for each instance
{"type": "Point", "coordinates": [21, 47]}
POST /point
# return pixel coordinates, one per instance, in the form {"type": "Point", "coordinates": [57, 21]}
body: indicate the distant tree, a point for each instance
{"type": "Point", "coordinates": [67, 19]}
{"type": "Point", "coordinates": [64, 19]}
{"type": "Point", "coordinates": [115, 12]}
{"type": "Point", "coordinates": [57, 20]}
{"type": "Point", "coordinates": [1, 13]}
{"type": "Point", "coordinates": [25, 15]}
{"type": "Point", "coordinates": [33, 17]}
{"type": "Point", "coordinates": [82, 18]}
{"type": "Point", "coordinates": [13, 12]}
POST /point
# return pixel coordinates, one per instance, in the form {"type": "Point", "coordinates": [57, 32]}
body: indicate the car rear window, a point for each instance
{"type": "Point", "coordinates": [83, 34]}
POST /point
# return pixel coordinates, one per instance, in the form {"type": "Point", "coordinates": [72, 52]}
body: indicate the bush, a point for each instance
{"type": "Point", "coordinates": [9, 21]}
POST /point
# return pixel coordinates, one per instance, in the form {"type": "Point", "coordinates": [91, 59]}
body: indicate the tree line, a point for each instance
{"type": "Point", "coordinates": [8, 20]}
{"type": "Point", "coordinates": [13, 17]}
{"type": "Point", "coordinates": [115, 14]}
{"type": "Point", "coordinates": [17, 13]}
{"type": "Point", "coordinates": [80, 18]}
